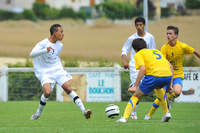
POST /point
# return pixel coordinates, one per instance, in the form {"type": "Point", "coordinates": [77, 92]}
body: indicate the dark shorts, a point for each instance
{"type": "Point", "coordinates": [175, 81]}
{"type": "Point", "coordinates": [149, 83]}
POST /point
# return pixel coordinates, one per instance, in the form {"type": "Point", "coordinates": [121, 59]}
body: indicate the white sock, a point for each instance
{"type": "Point", "coordinates": [43, 98]}
{"type": "Point", "coordinates": [42, 104]}
{"type": "Point", "coordinates": [77, 101]}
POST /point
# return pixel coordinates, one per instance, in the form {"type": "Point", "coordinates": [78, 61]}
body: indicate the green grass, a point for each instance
{"type": "Point", "coordinates": [67, 118]}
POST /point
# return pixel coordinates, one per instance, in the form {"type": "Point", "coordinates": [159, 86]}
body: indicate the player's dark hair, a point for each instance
{"type": "Point", "coordinates": [139, 44]}
{"type": "Point", "coordinates": [140, 19]}
{"type": "Point", "coordinates": [54, 28]}
{"type": "Point", "coordinates": [174, 28]}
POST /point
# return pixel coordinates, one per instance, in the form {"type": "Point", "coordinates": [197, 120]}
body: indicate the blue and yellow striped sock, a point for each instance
{"type": "Point", "coordinates": [154, 107]}
{"type": "Point", "coordinates": [160, 93]}
{"type": "Point", "coordinates": [130, 106]}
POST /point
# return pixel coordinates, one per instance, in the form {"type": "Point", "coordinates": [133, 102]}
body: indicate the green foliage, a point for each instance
{"type": "Point", "coordinates": [27, 14]}
{"type": "Point", "coordinates": [53, 13]}
{"type": "Point", "coordinates": [8, 15]}
{"type": "Point", "coordinates": [192, 4]}
{"type": "Point", "coordinates": [25, 86]}
{"type": "Point", "coordinates": [30, 15]}
{"type": "Point", "coordinates": [166, 12]}
{"type": "Point", "coordinates": [105, 63]}
{"type": "Point", "coordinates": [71, 63]}
{"type": "Point", "coordinates": [66, 12]}
{"type": "Point", "coordinates": [117, 10]}
{"type": "Point", "coordinates": [41, 10]}
{"type": "Point", "coordinates": [28, 63]}
{"type": "Point", "coordinates": [125, 83]}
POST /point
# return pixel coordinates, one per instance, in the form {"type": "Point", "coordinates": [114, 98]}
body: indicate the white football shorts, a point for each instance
{"type": "Point", "coordinates": [133, 75]}
{"type": "Point", "coordinates": [59, 76]}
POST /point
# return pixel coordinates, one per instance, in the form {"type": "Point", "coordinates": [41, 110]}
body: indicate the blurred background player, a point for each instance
{"type": "Point", "coordinates": [173, 51]}
{"type": "Point", "coordinates": [157, 73]}
{"type": "Point", "coordinates": [127, 47]}
{"type": "Point", "coordinates": [49, 70]}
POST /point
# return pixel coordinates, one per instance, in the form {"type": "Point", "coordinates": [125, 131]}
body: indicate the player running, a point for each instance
{"type": "Point", "coordinates": [49, 70]}
{"type": "Point", "coordinates": [174, 51]}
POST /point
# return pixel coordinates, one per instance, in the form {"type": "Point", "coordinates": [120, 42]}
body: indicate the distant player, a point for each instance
{"type": "Point", "coordinates": [49, 70]}
{"type": "Point", "coordinates": [155, 72]}
{"type": "Point", "coordinates": [173, 51]}
{"type": "Point", "coordinates": [149, 39]}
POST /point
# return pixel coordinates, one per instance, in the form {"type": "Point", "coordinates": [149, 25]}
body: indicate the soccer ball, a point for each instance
{"type": "Point", "coordinates": [112, 110]}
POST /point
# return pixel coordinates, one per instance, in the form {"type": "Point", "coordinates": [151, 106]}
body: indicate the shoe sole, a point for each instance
{"type": "Point", "coordinates": [166, 119]}
{"type": "Point", "coordinates": [88, 114]}
{"type": "Point", "coordinates": [120, 121]}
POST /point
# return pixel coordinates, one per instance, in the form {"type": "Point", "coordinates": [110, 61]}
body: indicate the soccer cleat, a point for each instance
{"type": "Point", "coordinates": [147, 117]}
{"type": "Point", "coordinates": [169, 104]}
{"type": "Point", "coordinates": [35, 116]}
{"type": "Point", "coordinates": [87, 114]}
{"type": "Point", "coordinates": [122, 120]}
{"type": "Point", "coordinates": [133, 116]}
{"type": "Point", "coordinates": [166, 117]}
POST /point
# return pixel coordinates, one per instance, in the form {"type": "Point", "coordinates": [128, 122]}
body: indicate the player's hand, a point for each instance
{"type": "Point", "coordinates": [49, 48]}
{"type": "Point", "coordinates": [171, 89]}
{"type": "Point", "coordinates": [126, 65]}
{"type": "Point", "coordinates": [132, 89]}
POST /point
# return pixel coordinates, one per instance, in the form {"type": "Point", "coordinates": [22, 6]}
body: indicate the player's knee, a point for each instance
{"type": "Point", "coordinates": [47, 93]}
{"type": "Point", "coordinates": [177, 94]}
{"type": "Point", "coordinates": [67, 87]}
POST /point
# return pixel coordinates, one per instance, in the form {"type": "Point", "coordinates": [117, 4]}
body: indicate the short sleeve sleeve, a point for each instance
{"type": "Point", "coordinates": [187, 49]}
{"type": "Point", "coordinates": [139, 61]}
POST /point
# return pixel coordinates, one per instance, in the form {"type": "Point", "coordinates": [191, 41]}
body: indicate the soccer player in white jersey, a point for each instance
{"type": "Point", "coordinates": [49, 70]}
{"type": "Point", "coordinates": [149, 39]}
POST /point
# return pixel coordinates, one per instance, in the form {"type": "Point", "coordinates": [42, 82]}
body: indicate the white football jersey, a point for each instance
{"type": "Point", "coordinates": [149, 39]}
{"type": "Point", "coordinates": [44, 61]}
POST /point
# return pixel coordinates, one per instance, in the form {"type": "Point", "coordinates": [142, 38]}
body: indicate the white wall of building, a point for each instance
{"type": "Point", "coordinates": [165, 3]}
{"type": "Point", "coordinates": [76, 5]}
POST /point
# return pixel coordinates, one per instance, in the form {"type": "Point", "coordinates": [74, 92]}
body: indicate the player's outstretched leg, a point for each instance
{"type": "Point", "coordinates": [154, 107]}
{"type": "Point", "coordinates": [42, 104]}
{"type": "Point", "coordinates": [87, 113]}
{"type": "Point", "coordinates": [129, 108]}
{"type": "Point", "coordinates": [134, 113]}
{"type": "Point", "coordinates": [160, 93]}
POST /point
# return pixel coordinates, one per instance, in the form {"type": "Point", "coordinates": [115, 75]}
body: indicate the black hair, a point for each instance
{"type": "Point", "coordinates": [54, 28]}
{"type": "Point", "coordinates": [139, 44]}
{"type": "Point", "coordinates": [174, 28]}
{"type": "Point", "coordinates": [140, 19]}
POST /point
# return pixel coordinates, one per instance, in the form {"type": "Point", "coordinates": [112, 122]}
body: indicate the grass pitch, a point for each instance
{"type": "Point", "coordinates": [67, 118]}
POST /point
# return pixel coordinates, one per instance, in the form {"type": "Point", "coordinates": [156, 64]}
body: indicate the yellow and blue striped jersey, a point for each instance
{"type": "Point", "coordinates": [174, 54]}
{"type": "Point", "coordinates": [154, 62]}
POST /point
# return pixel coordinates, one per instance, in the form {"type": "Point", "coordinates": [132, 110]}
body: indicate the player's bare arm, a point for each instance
{"type": "Point", "coordinates": [197, 54]}
{"type": "Point", "coordinates": [125, 63]}
{"type": "Point", "coordinates": [171, 85]}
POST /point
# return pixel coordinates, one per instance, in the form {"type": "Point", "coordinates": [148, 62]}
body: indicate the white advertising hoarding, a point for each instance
{"type": "Point", "coordinates": [94, 85]}
{"type": "Point", "coordinates": [191, 85]}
